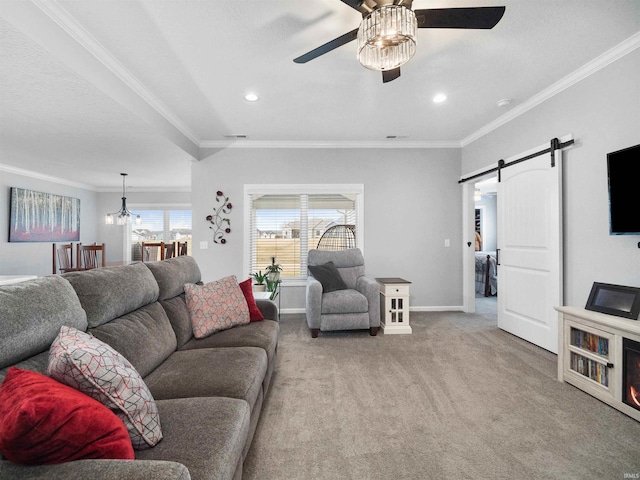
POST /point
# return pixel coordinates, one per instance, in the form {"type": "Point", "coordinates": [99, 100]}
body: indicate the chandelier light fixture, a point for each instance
{"type": "Point", "coordinates": [123, 215]}
{"type": "Point", "coordinates": [387, 38]}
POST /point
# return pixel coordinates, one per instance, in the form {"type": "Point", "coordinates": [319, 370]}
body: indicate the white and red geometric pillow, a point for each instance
{"type": "Point", "coordinates": [216, 306]}
{"type": "Point", "coordinates": [87, 364]}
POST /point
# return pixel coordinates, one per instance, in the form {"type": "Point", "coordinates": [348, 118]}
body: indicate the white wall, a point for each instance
{"type": "Point", "coordinates": [35, 258]}
{"type": "Point", "coordinates": [603, 113]}
{"type": "Point", "coordinates": [412, 203]}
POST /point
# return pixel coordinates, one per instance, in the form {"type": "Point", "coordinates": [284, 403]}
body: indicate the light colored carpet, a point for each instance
{"type": "Point", "coordinates": [457, 399]}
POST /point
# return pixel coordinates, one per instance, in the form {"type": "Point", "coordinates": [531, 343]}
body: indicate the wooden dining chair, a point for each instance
{"type": "Point", "coordinates": [169, 250]}
{"type": "Point", "coordinates": [181, 248]}
{"type": "Point", "coordinates": [63, 258]}
{"type": "Point", "coordinates": [152, 251]}
{"type": "Point", "coordinates": [92, 256]}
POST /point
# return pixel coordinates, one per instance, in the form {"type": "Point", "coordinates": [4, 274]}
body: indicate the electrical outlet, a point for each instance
{"type": "Point", "coordinates": [204, 245]}
{"type": "Point", "coordinates": [447, 242]}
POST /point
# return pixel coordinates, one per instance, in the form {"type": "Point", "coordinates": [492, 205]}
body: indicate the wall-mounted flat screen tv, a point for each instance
{"type": "Point", "coordinates": [623, 169]}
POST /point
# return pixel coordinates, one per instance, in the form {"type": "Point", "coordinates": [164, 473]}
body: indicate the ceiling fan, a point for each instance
{"type": "Point", "coordinates": [387, 34]}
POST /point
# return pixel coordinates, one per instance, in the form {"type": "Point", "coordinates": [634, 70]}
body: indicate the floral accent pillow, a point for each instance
{"type": "Point", "coordinates": [216, 306]}
{"type": "Point", "coordinates": [87, 364]}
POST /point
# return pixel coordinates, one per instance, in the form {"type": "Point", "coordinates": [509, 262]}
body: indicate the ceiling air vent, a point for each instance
{"type": "Point", "coordinates": [235, 135]}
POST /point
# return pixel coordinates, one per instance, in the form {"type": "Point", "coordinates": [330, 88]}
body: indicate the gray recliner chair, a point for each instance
{"type": "Point", "coordinates": [354, 307]}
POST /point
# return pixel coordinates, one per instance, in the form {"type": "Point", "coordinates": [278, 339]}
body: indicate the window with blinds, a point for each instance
{"type": "Point", "coordinates": [285, 222]}
{"type": "Point", "coordinates": [160, 225]}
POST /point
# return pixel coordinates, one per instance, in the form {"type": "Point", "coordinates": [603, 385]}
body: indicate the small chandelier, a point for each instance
{"type": "Point", "coordinates": [123, 215]}
{"type": "Point", "coordinates": [477, 195]}
{"type": "Point", "coordinates": [387, 38]}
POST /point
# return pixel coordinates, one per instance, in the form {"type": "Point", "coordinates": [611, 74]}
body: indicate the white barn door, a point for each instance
{"type": "Point", "coordinates": [530, 249]}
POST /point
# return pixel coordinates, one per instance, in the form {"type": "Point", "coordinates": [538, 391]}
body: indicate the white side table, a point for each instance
{"type": "Point", "coordinates": [394, 305]}
{"type": "Point", "coordinates": [267, 296]}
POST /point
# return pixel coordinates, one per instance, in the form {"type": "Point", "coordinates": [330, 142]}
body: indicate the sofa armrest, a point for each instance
{"type": "Point", "coordinates": [370, 289]}
{"type": "Point", "coordinates": [268, 308]}
{"type": "Point", "coordinates": [98, 470]}
{"type": "Point", "coordinates": [313, 302]}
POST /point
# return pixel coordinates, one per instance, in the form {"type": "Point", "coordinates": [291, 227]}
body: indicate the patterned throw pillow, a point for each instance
{"type": "Point", "coordinates": [87, 364]}
{"type": "Point", "coordinates": [216, 306]}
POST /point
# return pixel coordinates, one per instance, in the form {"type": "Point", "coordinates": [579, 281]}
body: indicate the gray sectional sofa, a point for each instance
{"type": "Point", "coordinates": [209, 392]}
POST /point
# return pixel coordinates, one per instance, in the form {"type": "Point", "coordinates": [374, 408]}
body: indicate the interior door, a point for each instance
{"type": "Point", "coordinates": [530, 249]}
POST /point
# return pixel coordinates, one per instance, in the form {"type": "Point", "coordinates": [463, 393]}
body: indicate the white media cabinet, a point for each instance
{"type": "Point", "coordinates": [590, 353]}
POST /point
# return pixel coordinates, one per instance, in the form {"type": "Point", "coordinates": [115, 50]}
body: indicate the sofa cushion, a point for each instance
{"type": "Point", "coordinates": [206, 435]}
{"type": "Point", "coordinates": [178, 314]}
{"type": "Point", "coordinates": [43, 421]}
{"type": "Point", "coordinates": [32, 313]}
{"type": "Point", "coordinates": [344, 301]}
{"type": "Point", "coordinates": [144, 337]}
{"type": "Point", "coordinates": [108, 293]}
{"type": "Point", "coordinates": [173, 273]}
{"type": "Point", "coordinates": [256, 334]}
{"type": "Point", "coordinates": [255, 315]}
{"type": "Point", "coordinates": [216, 306]}
{"type": "Point", "coordinates": [328, 275]}
{"type": "Point", "coordinates": [210, 372]}
{"type": "Point", "coordinates": [93, 367]}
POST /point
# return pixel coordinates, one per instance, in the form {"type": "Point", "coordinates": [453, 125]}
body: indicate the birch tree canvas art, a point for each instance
{"type": "Point", "coordinates": [43, 217]}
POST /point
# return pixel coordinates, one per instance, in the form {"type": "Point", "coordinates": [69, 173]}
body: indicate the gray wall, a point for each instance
{"type": "Point", "coordinates": [602, 112]}
{"type": "Point", "coordinates": [35, 258]}
{"type": "Point", "coordinates": [412, 204]}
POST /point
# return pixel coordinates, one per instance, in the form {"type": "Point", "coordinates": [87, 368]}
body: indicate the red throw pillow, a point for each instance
{"type": "Point", "coordinates": [255, 315]}
{"type": "Point", "coordinates": [43, 421]}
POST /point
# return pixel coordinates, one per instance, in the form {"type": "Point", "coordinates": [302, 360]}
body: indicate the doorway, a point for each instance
{"type": "Point", "coordinates": [485, 196]}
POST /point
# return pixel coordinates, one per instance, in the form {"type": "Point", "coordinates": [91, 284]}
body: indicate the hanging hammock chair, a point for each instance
{"type": "Point", "coordinates": [338, 237]}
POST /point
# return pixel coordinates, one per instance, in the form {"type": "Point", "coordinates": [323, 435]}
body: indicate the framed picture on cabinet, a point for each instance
{"type": "Point", "coordinates": [616, 300]}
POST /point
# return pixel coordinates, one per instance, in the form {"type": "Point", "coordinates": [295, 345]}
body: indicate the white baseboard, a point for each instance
{"type": "Point", "coordinates": [451, 308]}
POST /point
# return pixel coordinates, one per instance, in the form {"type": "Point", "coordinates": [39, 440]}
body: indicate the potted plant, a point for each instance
{"type": "Point", "coordinates": [272, 287]}
{"type": "Point", "coordinates": [260, 278]}
{"type": "Point", "coordinates": [273, 270]}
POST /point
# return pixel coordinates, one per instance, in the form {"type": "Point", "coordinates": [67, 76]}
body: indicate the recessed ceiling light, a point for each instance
{"type": "Point", "coordinates": [251, 97]}
{"type": "Point", "coordinates": [439, 98]}
{"type": "Point", "coordinates": [504, 102]}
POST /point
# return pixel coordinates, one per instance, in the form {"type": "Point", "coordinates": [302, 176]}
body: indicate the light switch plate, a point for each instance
{"type": "Point", "coordinates": [447, 242]}
{"type": "Point", "coordinates": [204, 245]}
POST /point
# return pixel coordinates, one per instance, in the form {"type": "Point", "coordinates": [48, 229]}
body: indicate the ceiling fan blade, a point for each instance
{"type": "Point", "coordinates": [327, 47]}
{"type": "Point", "coordinates": [472, 17]}
{"type": "Point", "coordinates": [389, 75]}
{"type": "Point", "coordinates": [356, 5]}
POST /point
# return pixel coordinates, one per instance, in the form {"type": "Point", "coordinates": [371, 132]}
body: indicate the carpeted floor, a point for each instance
{"type": "Point", "coordinates": [457, 399]}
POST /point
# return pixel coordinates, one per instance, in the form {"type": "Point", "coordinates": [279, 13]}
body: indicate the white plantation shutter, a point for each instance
{"type": "Point", "coordinates": [287, 221]}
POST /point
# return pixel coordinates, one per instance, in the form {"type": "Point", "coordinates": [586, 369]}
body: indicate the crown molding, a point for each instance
{"type": "Point", "coordinates": [144, 190]}
{"type": "Point", "coordinates": [53, 10]}
{"type": "Point", "coordinates": [46, 178]}
{"type": "Point", "coordinates": [588, 69]}
{"type": "Point", "coordinates": [214, 144]}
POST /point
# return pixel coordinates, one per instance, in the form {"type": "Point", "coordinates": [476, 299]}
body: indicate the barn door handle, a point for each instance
{"type": "Point", "coordinates": [498, 256]}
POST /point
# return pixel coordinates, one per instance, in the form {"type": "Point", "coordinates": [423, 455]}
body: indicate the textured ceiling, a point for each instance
{"type": "Point", "coordinates": [90, 89]}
